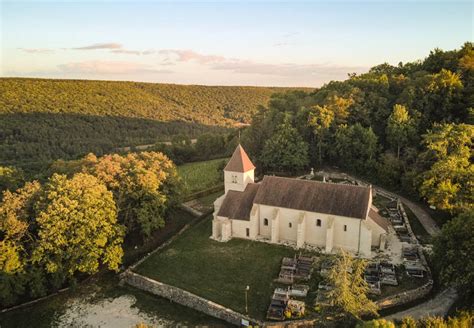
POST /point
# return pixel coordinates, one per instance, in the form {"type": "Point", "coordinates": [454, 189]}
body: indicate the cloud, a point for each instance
{"type": "Point", "coordinates": [109, 67]}
{"type": "Point", "coordinates": [97, 46]}
{"type": "Point", "coordinates": [287, 70]}
{"type": "Point", "coordinates": [37, 50]}
{"type": "Point", "coordinates": [126, 52]}
{"type": "Point", "coordinates": [190, 55]}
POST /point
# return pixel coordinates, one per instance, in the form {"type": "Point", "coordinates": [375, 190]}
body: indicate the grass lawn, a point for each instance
{"type": "Point", "coordinates": [219, 271]}
{"type": "Point", "coordinates": [202, 175]}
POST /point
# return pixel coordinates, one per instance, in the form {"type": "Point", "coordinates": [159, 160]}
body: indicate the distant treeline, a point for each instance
{"type": "Point", "coordinates": [42, 120]}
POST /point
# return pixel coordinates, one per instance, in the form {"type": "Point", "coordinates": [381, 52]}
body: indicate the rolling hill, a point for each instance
{"type": "Point", "coordinates": [45, 119]}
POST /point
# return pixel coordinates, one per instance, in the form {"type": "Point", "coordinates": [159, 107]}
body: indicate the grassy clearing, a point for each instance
{"type": "Point", "coordinates": [219, 271]}
{"type": "Point", "coordinates": [202, 175]}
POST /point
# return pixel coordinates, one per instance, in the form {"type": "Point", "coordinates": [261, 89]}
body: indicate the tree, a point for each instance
{"type": "Point", "coordinates": [389, 169]}
{"type": "Point", "coordinates": [320, 119]}
{"type": "Point", "coordinates": [350, 289]}
{"type": "Point", "coordinates": [400, 128]}
{"type": "Point", "coordinates": [449, 183]}
{"type": "Point", "coordinates": [15, 218]}
{"type": "Point", "coordinates": [452, 253]}
{"type": "Point", "coordinates": [11, 178]}
{"type": "Point", "coordinates": [355, 148]}
{"type": "Point", "coordinates": [285, 150]}
{"type": "Point", "coordinates": [145, 185]}
{"type": "Point", "coordinates": [376, 323]}
{"type": "Point", "coordinates": [77, 228]}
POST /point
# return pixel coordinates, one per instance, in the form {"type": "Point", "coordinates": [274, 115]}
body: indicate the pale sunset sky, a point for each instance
{"type": "Point", "coordinates": [274, 43]}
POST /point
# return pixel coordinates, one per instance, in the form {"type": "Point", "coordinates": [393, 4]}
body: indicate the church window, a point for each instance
{"type": "Point", "coordinates": [234, 179]}
{"type": "Point", "coordinates": [318, 222]}
{"type": "Point", "coordinates": [247, 232]}
{"type": "Point", "coordinates": [345, 227]}
{"type": "Point", "coordinates": [265, 222]}
{"type": "Point", "coordinates": [289, 224]}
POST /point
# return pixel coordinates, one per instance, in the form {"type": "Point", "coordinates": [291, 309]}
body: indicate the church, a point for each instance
{"type": "Point", "coordinates": [295, 211]}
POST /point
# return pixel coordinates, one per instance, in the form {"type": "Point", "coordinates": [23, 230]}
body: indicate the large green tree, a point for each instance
{"type": "Point", "coordinates": [448, 184]}
{"type": "Point", "coordinates": [145, 185]}
{"type": "Point", "coordinates": [285, 150]}
{"type": "Point", "coordinates": [355, 148]}
{"type": "Point", "coordinates": [400, 128]}
{"type": "Point", "coordinates": [15, 240]}
{"type": "Point", "coordinates": [77, 229]}
{"type": "Point", "coordinates": [320, 119]}
{"type": "Point", "coordinates": [452, 253]}
{"type": "Point", "coordinates": [350, 292]}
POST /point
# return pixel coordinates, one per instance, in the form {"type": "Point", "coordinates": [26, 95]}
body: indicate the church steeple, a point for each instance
{"type": "Point", "coordinates": [239, 171]}
{"type": "Point", "coordinates": [240, 161]}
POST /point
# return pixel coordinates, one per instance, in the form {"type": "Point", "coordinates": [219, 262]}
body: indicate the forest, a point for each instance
{"type": "Point", "coordinates": [407, 127]}
{"type": "Point", "coordinates": [43, 120]}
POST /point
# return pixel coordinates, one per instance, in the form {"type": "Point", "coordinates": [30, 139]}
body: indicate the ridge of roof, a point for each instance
{"type": "Point", "coordinates": [240, 161]}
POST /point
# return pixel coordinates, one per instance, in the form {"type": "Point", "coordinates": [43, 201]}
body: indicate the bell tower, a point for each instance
{"type": "Point", "coordinates": [239, 171]}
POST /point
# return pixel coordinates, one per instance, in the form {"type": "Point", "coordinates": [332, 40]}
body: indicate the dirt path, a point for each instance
{"type": "Point", "coordinates": [437, 306]}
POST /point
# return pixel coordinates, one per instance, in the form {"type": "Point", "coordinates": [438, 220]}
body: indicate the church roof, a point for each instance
{"type": "Point", "coordinates": [240, 161]}
{"type": "Point", "coordinates": [379, 220]}
{"type": "Point", "coordinates": [314, 196]}
{"type": "Point", "coordinates": [238, 204]}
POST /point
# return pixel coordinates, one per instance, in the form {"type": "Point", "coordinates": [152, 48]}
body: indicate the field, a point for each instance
{"type": "Point", "coordinates": [202, 175]}
{"type": "Point", "coordinates": [219, 271]}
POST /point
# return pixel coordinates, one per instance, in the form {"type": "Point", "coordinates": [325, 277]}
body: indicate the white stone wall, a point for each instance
{"type": "Point", "coordinates": [376, 230]}
{"type": "Point", "coordinates": [314, 235]}
{"type": "Point", "coordinates": [239, 228]}
{"type": "Point", "coordinates": [241, 180]}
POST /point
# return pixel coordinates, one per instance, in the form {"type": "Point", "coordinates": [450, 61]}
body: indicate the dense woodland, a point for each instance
{"type": "Point", "coordinates": [75, 223]}
{"type": "Point", "coordinates": [43, 120]}
{"type": "Point", "coordinates": [408, 127]}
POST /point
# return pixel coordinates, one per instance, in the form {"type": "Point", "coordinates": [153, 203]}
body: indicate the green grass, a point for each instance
{"type": "Point", "coordinates": [421, 234]}
{"type": "Point", "coordinates": [381, 202]}
{"type": "Point", "coordinates": [219, 271]}
{"type": "Point", "coordinates": [202, 175]}
{"type": "Point", "coordinates": [209, 199]}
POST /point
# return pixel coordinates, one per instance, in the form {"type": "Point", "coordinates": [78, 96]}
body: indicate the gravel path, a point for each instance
{"type": "Point", "coordinates": [437, 306]}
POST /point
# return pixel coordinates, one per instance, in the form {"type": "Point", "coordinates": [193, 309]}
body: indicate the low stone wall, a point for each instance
{"type": "Point", "coordinates": [185, 298]}
{"type": "Point", "coordinates": [405, 297]}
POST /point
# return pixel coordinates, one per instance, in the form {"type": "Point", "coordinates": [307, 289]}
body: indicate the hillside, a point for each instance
{"type": "Point", "coordinates": [209, 105]}
{"type": "Point", "coordinates": [42, 119]}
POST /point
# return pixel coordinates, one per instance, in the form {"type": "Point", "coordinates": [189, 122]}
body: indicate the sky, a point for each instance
{"type": "Point", "coordinates": [264, 43]}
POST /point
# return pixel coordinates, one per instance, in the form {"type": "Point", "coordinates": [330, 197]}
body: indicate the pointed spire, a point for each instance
{"type": "Point", "coordinates": [240, 161]}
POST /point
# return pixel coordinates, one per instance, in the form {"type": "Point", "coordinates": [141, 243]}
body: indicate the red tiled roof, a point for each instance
{"type": "Point", "coordinates": [240, 161]}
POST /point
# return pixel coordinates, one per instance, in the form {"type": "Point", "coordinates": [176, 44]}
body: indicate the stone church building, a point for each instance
{"type": "Point", "coordinates": [300, 212]}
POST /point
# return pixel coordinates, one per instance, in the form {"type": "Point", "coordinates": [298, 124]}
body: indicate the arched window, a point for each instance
{"type": "Point", "coordinates": [345, 227]}
{"type": "Point", "coordinates": [265, 222]}
{"type": "Point", "coordinates": [318, 222]}
{"type": "Point", "coordinates": [289, 225]}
